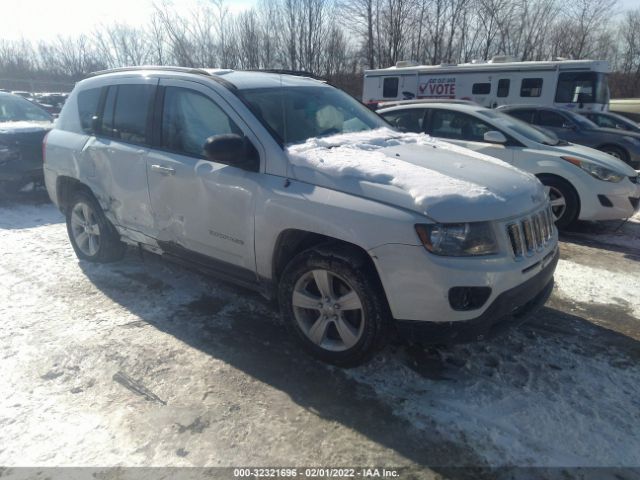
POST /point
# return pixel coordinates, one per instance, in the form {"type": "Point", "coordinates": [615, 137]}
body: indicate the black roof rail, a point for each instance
{"type": "Point", "coordinates": [198, 71]}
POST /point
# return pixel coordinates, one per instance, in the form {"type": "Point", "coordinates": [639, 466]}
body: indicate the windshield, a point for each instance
{"type": "Point", "coordinates": [582, 87]}
{"type": "Point", "coordinates": [508, 122]}
{"type": "Point", "coordinates": [299, 113]}
{"type": "Point", "coordinates": [16, 109]}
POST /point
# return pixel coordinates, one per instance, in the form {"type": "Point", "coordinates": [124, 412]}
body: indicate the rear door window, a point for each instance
{"type": "Point", "coordinates": [126, 112]}
{"type": "Point", "coordinates": [547, 118]}
{"type": "Point", "coordinates": [406, 120]}
{"type": "Point", "coordinates": [526, 115]}
{"type": "Point", "coordinates": [458, 126]}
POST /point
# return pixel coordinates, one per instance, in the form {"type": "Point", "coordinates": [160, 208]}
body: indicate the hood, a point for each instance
{"type": "Point", "coordinates": [596, 156]}
{"type": "Point", "coordinates": [24, 127]}
{"type": "Point", "coordinates": [447, 183]}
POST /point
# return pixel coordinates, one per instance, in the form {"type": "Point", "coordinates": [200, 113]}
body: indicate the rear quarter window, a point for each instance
{"type": "Point", "coordinates": [88, 101]}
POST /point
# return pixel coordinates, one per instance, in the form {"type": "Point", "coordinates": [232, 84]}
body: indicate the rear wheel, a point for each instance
{"type": "Point", "coordinates": [565, 204]}
{"type": "Point", "coordinates": [334, 304]}
{"type": "Point", "coordinates": [92, 235]}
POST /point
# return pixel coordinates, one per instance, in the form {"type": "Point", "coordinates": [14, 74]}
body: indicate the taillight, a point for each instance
{"type": "Point", "coordinates": [44, 147]}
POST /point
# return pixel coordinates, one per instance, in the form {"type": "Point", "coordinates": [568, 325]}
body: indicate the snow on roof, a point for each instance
{"type": "Point", "coordinates": [342, 155]}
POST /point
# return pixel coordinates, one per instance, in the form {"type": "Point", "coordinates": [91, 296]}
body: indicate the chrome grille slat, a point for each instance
{"type": "Point", "coordinates": [531, 233]}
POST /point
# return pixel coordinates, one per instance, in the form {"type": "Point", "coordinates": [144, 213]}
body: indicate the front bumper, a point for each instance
{"type": "Point", "coordinates": [510, 308]}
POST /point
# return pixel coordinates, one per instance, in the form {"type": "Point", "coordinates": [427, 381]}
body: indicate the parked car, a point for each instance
{"type": "Point", "coordinates": [611, 120]}
{"type": "Point", "coordinates": [583, 183]}
{"type": "Point", "coordinates": [22, 128]}
{"type": "Point", "coordinates": [20, 93]}
{"type": "Point", "coordinates": [291, 187]}
{"type": "Point", "coordinates": [575, 128]}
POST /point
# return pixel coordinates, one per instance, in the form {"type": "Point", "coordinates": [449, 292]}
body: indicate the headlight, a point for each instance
{"type": "Point", "coordinates": [458, 239]}
{"type": "Point", "coordinates": [632, 140]}
{"type": "Point", "coordinates": [596, 171]}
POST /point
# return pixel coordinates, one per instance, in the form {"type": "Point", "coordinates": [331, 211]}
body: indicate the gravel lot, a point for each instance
{"type": "Point", "coordinates": [144, 363]}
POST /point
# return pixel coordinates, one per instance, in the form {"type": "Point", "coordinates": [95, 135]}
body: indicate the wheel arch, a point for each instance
{"type": "Point", "coordinates": [615, 146]}
{"type": "Point", "coordinates": [541, 176]}
{"type": "Point", "coordinates": [292, 241]}
{"type": "Point", "coordinates": [66, 187]}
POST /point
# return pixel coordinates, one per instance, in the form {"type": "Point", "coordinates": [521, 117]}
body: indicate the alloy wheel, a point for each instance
{"type": "Point", "coordinates": [328, 310]}
{"type": "Point", "coordinates": [85, 229]}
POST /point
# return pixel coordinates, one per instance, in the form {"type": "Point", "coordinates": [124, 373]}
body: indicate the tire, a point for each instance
{"type": "Point", "coordinates": [615, 151]}
{"type": "Point", "coordinates": [327, 330]}
{"type": "Point", "coordinates": [92, 235]}
{"type": "Point", "coordinates": [565, 203]}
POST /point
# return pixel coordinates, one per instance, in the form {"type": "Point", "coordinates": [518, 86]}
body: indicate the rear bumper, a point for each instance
{"type": "Point", "coordinates": [510, 308]}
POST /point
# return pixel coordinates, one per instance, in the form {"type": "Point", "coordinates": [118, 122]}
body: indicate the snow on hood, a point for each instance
{"type": "Point", "coordinates": [24, 127]}
{"type": "Point", "coordinates": [438, 179]}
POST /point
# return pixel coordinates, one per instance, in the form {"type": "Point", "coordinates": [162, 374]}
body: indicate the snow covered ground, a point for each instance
{"type": "Point", "coordinates": [143, 363]}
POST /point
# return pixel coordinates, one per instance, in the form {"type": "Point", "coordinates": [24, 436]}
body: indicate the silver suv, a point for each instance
{"type": "Point", "coordinates": [289, 186]}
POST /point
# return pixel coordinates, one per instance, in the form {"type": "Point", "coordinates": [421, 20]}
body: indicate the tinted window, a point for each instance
{"type": "Point", "coordinates": [88, 101]}
{"type": "Point", "coordinates": [457, 125]}
{"type": "Point", "coordinates": [531, 87]}
{"type": "Point", "coordinates": [390, 87]}
{"type": "Point", "coordinates": [126, 111]}
{"type": "Point", "coordinates": [548, 118]}
{"type": "Point", "coordinates": [406, 120]}
{"type": "Point", "coordinates": [189, 118]}
{"type": "Point", "coordinates": [503, 87]}
{"type": "Point", "coordinates": [481, 88]}
{"type": "Point", "coordinates": [524, 115]}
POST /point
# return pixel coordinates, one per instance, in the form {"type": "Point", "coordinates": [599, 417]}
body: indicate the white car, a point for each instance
{"type": "Point", "coordinates": [290, 187]}
{"type": "Point", "coordinates": [583, 183]}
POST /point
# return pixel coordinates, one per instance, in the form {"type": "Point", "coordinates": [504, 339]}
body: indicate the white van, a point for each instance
{"type": "Point", "coordinates": [580, 84]}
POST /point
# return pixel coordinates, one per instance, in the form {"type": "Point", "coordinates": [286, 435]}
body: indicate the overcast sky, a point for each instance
{"type": "Point", "coordinates": [45, 19]}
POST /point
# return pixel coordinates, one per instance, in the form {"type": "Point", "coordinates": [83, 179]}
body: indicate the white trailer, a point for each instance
{"type": "Point", "coordinates": [579, 84]}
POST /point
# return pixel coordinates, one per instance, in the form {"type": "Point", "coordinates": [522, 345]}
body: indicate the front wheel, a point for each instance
{"type": "Point", "coordinates": [92, 235]}
{"type": "Point", "coordinates": [334, 304]}
{"type": "Point", "coordinates": [565, 204]}
{"type": "Point", "coordinates": [616, 152]}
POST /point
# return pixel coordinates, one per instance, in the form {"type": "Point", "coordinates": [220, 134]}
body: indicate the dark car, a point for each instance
{"type": "Point", "coordinates": [573, 127]}
{"type": "Point", "coordinates": [612, 120]}
{"type": "Point", "coordinates": [23, 125]}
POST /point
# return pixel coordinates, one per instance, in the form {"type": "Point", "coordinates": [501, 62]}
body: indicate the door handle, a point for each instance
{"type": "Point", "coordinates": [163, 170]}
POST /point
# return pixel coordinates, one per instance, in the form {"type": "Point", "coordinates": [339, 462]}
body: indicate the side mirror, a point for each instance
{"type": "Point", "coordinates": [234, 150]}
{"type": "Point", "coordinates": [494, 136]}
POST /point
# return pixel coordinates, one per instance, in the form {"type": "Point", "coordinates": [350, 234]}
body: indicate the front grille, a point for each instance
{"type": "Point", "coordinates": [635, 202]}
{"type": "Point", "coordinates": [531, 233]}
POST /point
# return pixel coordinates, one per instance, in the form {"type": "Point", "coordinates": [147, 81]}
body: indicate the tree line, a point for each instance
{"type": "Point", "coordinates": [337, 39]}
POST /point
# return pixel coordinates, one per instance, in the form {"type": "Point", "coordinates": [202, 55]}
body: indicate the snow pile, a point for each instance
{"type": "Point", "coordinates": [342, 155]}
{"type": "Point", "coordinates": [590, 285]}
